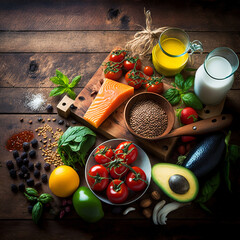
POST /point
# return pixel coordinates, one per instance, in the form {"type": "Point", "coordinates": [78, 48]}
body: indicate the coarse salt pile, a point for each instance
{"type": "Point", "coordinates": [35, 101]}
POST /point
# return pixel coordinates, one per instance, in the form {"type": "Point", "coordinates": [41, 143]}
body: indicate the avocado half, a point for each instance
{"type": "Point", "coordinates": [164, 173]}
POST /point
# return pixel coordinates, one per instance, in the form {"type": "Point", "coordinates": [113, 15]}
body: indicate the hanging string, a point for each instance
{"type": "Point", "coordinates": [144, 40]}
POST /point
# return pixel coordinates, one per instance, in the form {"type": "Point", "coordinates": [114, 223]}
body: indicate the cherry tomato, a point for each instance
{"type": "Point", "coordinates": [187, 138]}
{"type": "Point", "coordinates": [117, 55]}
{"type": "Point", "coordinates": [117, 191]}
{"type": "Point", "coordinates": [127, 151]}
{"type": "Point", "coordinates": [134, 78]}
{"type": "Point", "coordinates": [188, 115]}
{"type": "Point", "coordinates": [98, 178]}
{"type": "Point", "coordinates": [148, 71]}
{"type": "Point", "coordinates": [103, 154]}
{"type": "Point", "coordinates": [114, 75]}
{"type": "Point", "coordinates": [130, 63]}
{"type": "Point", "coordinates": [117, 169]}
{"type": "Point", "coordinates": [181, 149]}
{"type": "Point", "coordinates": [154, 85]}
{"type": "Point", "coordinates": [136, 181]}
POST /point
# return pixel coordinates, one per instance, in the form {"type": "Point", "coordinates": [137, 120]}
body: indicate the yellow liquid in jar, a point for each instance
{"type": "Point", "coordinates": [165, 64]}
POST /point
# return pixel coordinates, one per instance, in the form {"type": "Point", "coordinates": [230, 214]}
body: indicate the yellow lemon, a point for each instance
{"type": "Point", "coordinates": [63, 181]}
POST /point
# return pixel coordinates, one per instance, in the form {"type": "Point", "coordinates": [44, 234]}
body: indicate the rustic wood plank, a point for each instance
{"type": "Point", "coordinates": [15, 68]}
{"type": "Point", "coordinates": [98, 41]}
{"type": "Point", "coordinates": [51, 15]}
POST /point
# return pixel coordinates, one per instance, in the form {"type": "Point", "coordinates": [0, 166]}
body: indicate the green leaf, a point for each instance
{"type": "Point", "coordinates": [171, 93]}
{"type": "Point", "coordinates": [190, 69]}
{"type": "Point", "coordinates": [58, 81]}
{"type": "Point", "coordinates": [234, 153]}
{"type": "Point", "coordinates": [71, 93]}
{"type": "Point", "coordinates": [75, 81]}
{"type": "Point", "coordinates": [37, 212]}
{"type": "Point", "coordinates": [188, 83]}
{"type": "Point", "coordinates": [57, 91]}
{"type": "Point", "coordinates": [191, 100]}
{"type": "Point", "coordinates": [45, 198]}
{"type": "Point", "coordinates": [61, 76]}
{"type": "Point", "coordinates": [179, 80]}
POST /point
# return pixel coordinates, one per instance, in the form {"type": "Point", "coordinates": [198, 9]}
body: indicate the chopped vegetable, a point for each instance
{"type": "Point", "coordinates": [156, 210]}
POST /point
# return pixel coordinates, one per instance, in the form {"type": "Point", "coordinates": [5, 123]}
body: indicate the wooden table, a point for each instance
{"type": "Point", "coordinates": [38, 37]}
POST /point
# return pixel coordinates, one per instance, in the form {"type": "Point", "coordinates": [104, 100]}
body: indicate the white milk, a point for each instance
{"type": "Point", "coordinates": [209, 90]}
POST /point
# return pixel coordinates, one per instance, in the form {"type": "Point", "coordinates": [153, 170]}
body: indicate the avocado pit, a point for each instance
{"type": "Point", "coordinates": [178, 184]}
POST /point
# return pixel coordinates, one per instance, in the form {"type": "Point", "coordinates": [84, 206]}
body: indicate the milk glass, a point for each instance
{"type": "Point", "coordinates": [214, 78]}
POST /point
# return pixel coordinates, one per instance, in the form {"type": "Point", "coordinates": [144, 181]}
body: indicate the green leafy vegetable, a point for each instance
{"type": "Point", "coordinates": [37, 212]}
{"type": "Point", "coordinates": [174, 95]}
{"type": "Point", "coordinates": [64, 85]}
{"type": "Point", "coordinates": [74, 145]}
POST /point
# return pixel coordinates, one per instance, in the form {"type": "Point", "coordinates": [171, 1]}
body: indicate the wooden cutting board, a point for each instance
{"type": "Point", "coordinates": [113, 126]}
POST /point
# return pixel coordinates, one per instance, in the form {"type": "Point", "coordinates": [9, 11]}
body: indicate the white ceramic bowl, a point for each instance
{"type": "Point", "coordinates": [142, 161]}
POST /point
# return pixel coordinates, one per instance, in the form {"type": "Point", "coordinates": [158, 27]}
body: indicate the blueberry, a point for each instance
{"type": "Point", "coordinates": [30, 182]}
{"type": "Point", "coordinates": [49, 108]}
{"type": "Point", "coordinates": [14, 188]}
{"type": "Point", "coordinates": [15, 153]}
{"type": "Point", "coordinates": [31, 166]}
{"type": "Point", "coordinates": [25, 162]}
{"type": "Point", "coordinates": [44, 178]}
{"type": "Point", "coordinates": [38, 165]}
{"type": "Point", "coordinates": [24, 155]}
{"type": "Point", "coordinates": [26, 146]}
{"type": "Point", "coordinates": [9, 164]}
{"type": "Point", "coordinates": [24, 169]}
{"type": "Point", "coordinates": [47, 166]}
{"type": "Point", "coordinates": [36, 173]}
{"type": "Point", "coordinates": [32, 154]}
{"type": "Point", "coordinates": [13, 173]}
{"type": "Point", "coordinates": [34, 143]}
{"type": "Point", "coordinates": [21, 175]}
{"type": "Point", "coordinates": [38, 185]}
{"type": "Point", "coordinates": [60, 122]}
{"type": "Point", "coordinates": [26, 175]}
{"type": "Point", "coordinates": [21, 187]}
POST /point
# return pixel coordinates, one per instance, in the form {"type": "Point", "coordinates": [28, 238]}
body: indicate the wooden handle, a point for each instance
{"type": "Point", "coordinates": [204, 126]}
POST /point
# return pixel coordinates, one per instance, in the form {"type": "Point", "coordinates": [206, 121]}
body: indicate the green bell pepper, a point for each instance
{"type": "Point", "coordinates": [87, 205]}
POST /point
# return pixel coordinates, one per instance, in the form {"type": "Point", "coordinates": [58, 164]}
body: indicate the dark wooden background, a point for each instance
{"type": "Point", "coordinates": [75, 37]}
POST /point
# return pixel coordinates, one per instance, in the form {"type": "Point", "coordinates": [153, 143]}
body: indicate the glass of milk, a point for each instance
{"type": "Point", "coordinates": [215, 77]}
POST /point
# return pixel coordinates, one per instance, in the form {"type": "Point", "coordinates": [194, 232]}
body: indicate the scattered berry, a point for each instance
{"type": "Point", "coordinates": [19, 162]}
{"type": "Point", "coordinates": [34, 143]}
{"type": "Point", "coordinates": [26, 175]}
{"type": "Point", "coordinates": [21, 187]}
{"type": "Point", "coordinates": [30, 182]}
{"type": "Point", "coordinates": [62, 213]}
{"type": "Point", "coordinates": [38, 165]}
{"type": "Point", "coordinates": [25, 162]}
{"type": "Point", "coordinates": [40, 119]}
{"type": "Point", "coordinates": [38, 185]}
{"type": "Point", "coordinates": [36, 173]}
{"type": "Point", "coordinates": [13, 173]}
{"type": "Point", "coordinates": [31, 166]}
{"type": "Point", "coordinates": [44, 178]}
{"type": "Point", "coordinates": [47, 166]}
{"type": "Point", "coordinates": [24, 169]}
{"type": "Point", "coordinates": [32, 154]}
{"type": "Point", "coordinates": [49, 108]}
{"type": "Point", "coordinates": [24, 155]}
{"type": "Point", "coordinates": [26, 146]}
{"type": "Point", "coordinates": [9, 164]}
{"type": "Point", "coordinates": [67, 209]}
{"type": "Point", "coordinates": [21, 175]}
{"type": "Point", "coordinates": [14, 188]}
{"type": "Point", "coordinates": [15, 154]}
{"type": "Point", "coordinates": [60, 122]}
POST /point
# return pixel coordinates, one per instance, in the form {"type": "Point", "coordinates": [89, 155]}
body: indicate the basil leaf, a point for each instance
{"type": "Point", "coordinates": [179, 80]}
{"type": "Point", "coordinates": [188, 83]}
{"type": "Point", "coordinates": [191, 100]}
{"type": "Point", "coordinates": [170, 93]}
{"type": "Point", "coordinates": [57, 91]}
{"type": "Point", "coordinates": [63, 77]}
{"type": "Point", "coordinates": [175, 100]}
{"type": "Point", "coordinates": [75, 81]}
{"type": "Point", "coordinates": [71, 93]}
{"type": "Point", "coordinates": [57, 81]}
{"type": "Point", "coordinates": [37, 212]}
{"type": "Point", "coordinates": [45, 198]}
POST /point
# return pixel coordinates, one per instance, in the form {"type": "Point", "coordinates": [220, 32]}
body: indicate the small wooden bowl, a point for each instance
{"type": "Point", "coordinates": [163, 103]}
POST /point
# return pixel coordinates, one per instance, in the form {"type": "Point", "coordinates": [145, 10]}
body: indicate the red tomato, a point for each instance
{"type": "Point", "coordinates": [116, 169]}
{"type": "Point", "coordinates": [181, 150]}
{"type": "Point", "coordinates": [127, 151]}
{"type": "Point", "coordinates": [130, 63]}
{"type": "Point", "coordinates": [187, 138]}
{"type": "Point", "coordinates": [136, 181]}
{"type": "Point", "coordinates": [148, 71]}
{"type": "Point", "coordinates": [117, 191]}
{"type": "Point", "coordinates": [154, 85]}
{"type": "Point", "coordinates": [117, 55]}
{"type": "Point", "coordinates": [104, 154]}
{"type": "Point", "coordinates": [188, 115]}
{"type": "Point", "coordinates": [98, 177]}
{"type": "Point", "coordinates": [113, 74]}
{"type": "Point", "coordinates": [134, 78]}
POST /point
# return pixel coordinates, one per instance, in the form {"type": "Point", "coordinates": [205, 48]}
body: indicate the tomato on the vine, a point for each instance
{"type": "Point", "coordinates": [132, 62]}
{"type": "Point", "coordinates": [117, 191]}
{"type": "Point", "coordinates": [117, 55]}
{"type": "Point", "coordinates": [127, 151]}
{"type": "Point", "coordinates": [103, 154]}
{"type": "Point", "coordinates": [188, 115]}
{"type": "Point", "coordinates": [148, 71]}
{"type": "Point", "coordinates": [98, 177]}
{"type": "Point", "coordinates": [113, 70]}
{"type": "Point", "coordinates": [134, 78]}
{"type": "Point", "coordinates": [136, 179]}
{"type": "Point", "coordinates": [116, 168]}
{"type": "Point", "coordinates": [154, 84]}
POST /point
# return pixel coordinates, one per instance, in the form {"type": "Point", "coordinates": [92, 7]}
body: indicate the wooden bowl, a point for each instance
{"type": "Point", "coordinates": [163, 103]}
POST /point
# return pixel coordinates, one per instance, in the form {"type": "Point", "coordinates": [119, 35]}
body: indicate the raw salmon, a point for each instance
{"type": "Point", "coordinates": [110, 96]}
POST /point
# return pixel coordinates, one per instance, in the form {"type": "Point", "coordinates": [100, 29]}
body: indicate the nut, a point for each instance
{"type": "Point", "coordinates": [145, 203]}
{"type": "Point", "coordinates": [155, 195]}
{"type": "Point", "coordinates": [147, 212]}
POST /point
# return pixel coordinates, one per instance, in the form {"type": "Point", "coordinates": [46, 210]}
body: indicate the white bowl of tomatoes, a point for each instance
{"type": "Point", "coordinates": [118, 172]}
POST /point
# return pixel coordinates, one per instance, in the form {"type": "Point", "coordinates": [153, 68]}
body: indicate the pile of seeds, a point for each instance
{"type": "Point", "coordinates": [49, 144]}
{"type": "Point", "coordinates": [148, 119]}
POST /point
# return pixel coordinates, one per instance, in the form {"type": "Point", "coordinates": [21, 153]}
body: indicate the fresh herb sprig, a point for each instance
{"type": "Point", "coordinates": [63, 85]}
{"type": "Point", "coordinates": [181, 92]}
